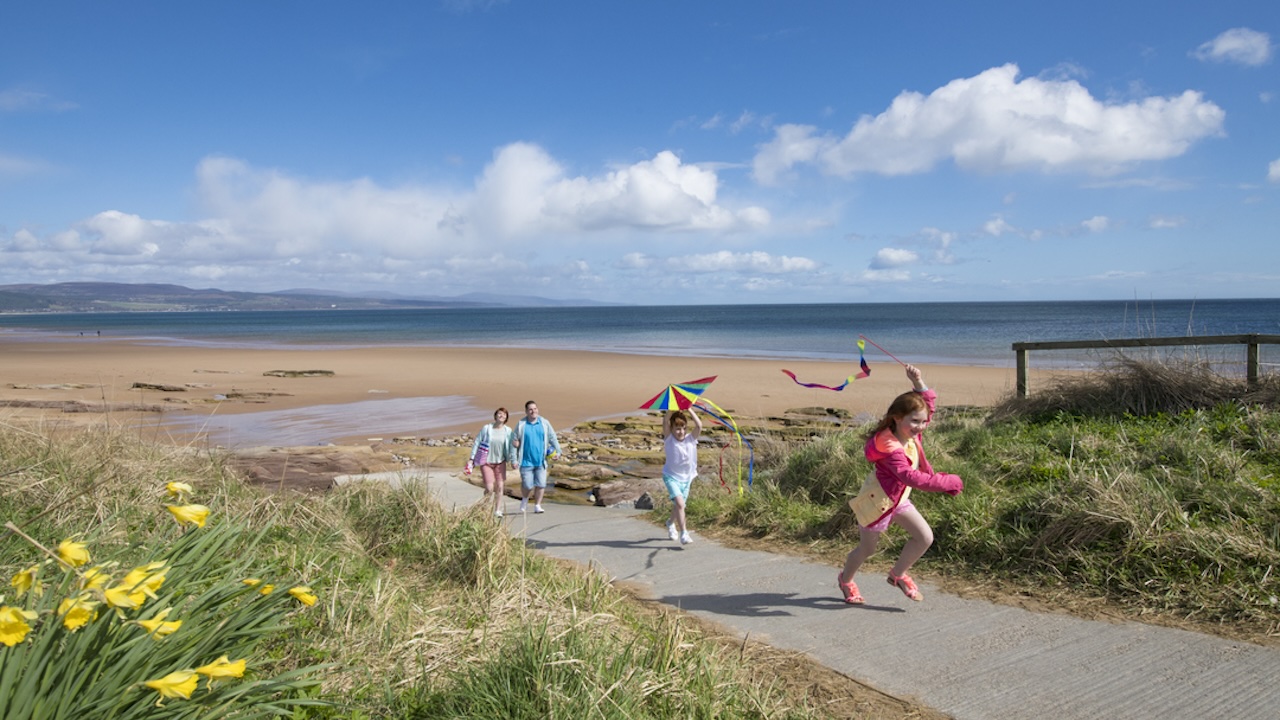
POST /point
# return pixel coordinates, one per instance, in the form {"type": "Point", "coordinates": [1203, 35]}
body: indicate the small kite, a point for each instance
{"type": "Point", "coordinates": [679, 396]}
{"type": "Point", "coordinates": [862, 361]}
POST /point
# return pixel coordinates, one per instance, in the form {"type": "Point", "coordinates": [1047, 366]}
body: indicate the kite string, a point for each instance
{"type": "Point", "coordinates": [886, 352]}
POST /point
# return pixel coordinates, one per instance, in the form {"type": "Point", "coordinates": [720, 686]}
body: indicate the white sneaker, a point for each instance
{"type": "Point", "coordinates": [524, 506]}
{"type": "Point", "coordinates": [537, 509]}
{"type": "Point", "coordinates": [672, 532]}
{"type": "Point", "coordinates": [497, 513]}
{"type": "Point", "coordinates": [685, 539]}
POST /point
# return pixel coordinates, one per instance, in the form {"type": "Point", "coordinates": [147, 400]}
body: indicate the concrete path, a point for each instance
{"type": "Point", "coordinates": [966, 658]}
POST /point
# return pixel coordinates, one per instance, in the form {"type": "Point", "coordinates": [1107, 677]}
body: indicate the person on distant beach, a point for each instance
{"type": "Point", "coordinates": [896, 447]}
{"type": "Point", "coordinates": [493, 450]}
{"type": "Point", "coordinates": [681, 445]}
{"type": "Point", "coordinates": [536, 443]}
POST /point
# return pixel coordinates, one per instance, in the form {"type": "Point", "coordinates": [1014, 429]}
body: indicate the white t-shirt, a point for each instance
{"type": "Point", "coordinates": [682, 457]}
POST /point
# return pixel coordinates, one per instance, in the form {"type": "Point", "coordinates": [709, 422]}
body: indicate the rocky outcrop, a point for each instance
{"type": "Point", "coordinates": [309, 469]}
{"type": "Point", "coordinates": [298, 373]}
{"type": "Point", "coordinates": [626, 491]}
{"type": "Point", "coordinates": [157, 387]}
{"type": "Point", "coordinates": [78, 406]}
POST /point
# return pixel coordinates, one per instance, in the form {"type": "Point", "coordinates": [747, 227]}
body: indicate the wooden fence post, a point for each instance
{"type": "Point", "coordinates": [1252, 362]}
{"type": "Point", "coordinates": [1022, 373]}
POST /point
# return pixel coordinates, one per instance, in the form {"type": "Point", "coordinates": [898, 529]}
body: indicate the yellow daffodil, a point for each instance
{"type": "Point", "coordinates": [222, 668]}
{"type": "Point", "coordinates": [303, 595]}
{"type": "Point", "coordinates": [73, 553]}
{"type": "Point", "coordinates": [121, 597]}
{"type": "Point", "coordinates": [146, 579]}
{"type": "Point", "coordinates": [251, 582]}
{"type": "Point", "coordinates": [267, 589]}
{"type": "Point", "coordinates": [158, 627]}
{"type": "Point", "coordinates": [26, 580]}
{"type": "Point", "coordinates": [178, 684]}
{"type": "Point", "coordinates": [178, 489]}
{"type": "Point", "coordinates": [13, 624]}
{"type": "Point", "coordinates": [190, 514]}
{"type": "Point", "coordinates": [94, 578]}
{"type": "Point", "coordinates": [77, 611]}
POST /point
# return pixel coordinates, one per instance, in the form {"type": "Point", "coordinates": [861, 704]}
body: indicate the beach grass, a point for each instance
{"type": "Point", "coordinates": [419, 612]}
{"type": "Point", "coordinates": [1153, 490]}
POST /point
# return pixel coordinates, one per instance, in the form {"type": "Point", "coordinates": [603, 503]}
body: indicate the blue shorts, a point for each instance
{"type": "Point", "coordinates": [676, 488]}
{"type": "Point", "coordinates": [533, 477]}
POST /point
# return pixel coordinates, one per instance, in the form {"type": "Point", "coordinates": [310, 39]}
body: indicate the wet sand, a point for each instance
{"type": "Point", "coordinates": [437, 390]}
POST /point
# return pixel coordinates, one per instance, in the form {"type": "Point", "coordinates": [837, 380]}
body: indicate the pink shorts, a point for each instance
{"type": "Point", "coordinates": [883, 523]}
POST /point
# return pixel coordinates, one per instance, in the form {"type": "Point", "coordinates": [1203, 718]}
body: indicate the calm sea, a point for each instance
{"type": "Point", "coordinates": [951, 333]}
{"type": "Point", "coordinates": [947, 333]}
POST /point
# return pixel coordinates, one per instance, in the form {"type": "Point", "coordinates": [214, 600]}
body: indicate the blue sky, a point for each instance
{"type": "Point", "coordinates": [646, 152]}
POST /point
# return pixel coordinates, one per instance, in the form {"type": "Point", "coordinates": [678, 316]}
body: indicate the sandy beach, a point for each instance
{"type": "Point", "coordinates": [569, 386]}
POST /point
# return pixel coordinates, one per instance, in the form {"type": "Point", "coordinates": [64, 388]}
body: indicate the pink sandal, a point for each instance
{"type": "Point", "coordinates": [850, 590]}
{"type": "Point", "coordinates": [907, 586]}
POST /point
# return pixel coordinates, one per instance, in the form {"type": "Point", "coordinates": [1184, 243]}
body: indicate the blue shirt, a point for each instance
{"type": "Point", "coordinates": [535, 440]}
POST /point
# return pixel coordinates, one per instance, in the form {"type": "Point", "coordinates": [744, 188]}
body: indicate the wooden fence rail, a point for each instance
{"type": "Point", "coordinates": [1251, 341]}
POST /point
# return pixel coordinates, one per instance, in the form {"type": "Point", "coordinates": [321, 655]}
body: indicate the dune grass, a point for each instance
{"type": "Point", "coordinates": [421, 612]}
{"type": "Point", "coordinates": [1154, 488]}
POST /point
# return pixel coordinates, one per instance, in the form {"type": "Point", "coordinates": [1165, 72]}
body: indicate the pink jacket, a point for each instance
{"type": "Point", "coordinates": [893, 468]}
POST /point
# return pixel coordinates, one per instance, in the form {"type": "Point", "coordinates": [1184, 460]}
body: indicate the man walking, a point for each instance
{"type": "Point", "coordinates": [535, 442]}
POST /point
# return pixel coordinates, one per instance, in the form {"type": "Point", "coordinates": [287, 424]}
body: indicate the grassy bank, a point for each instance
{"type": "Point", "coordinates": [419, 612]}
{"type": "Point", "coordinates": [1145, 489]}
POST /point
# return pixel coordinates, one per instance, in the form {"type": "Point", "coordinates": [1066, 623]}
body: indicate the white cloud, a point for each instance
{"type": "Point", "coordinates": [943, 239]}
{"type": "Point", "coordinates": [744, 120]}
{"type": "Point", "coordinates": [526, 192]}
{"type": "Point", "coordinates": [885, 276]}
{"type": "Point", "coordinates": [266, 224]}
{"type": "Point", "coordinates": [762, 284]}
{"type": "Point", "coordinates": [757, 261]}
{"type": "Point", "coordinates": [1237, 45]}
{"type": "Point", "coordinates": [997, 226]}
{"type": "Point", "coordinates": [635, 261]}
{"type": "Point", "coordinates": [995, 122]}
{"type": "Point", "coordinates": [523, 193]}
{"type": "Point", "coordinates": [1273, 171]}
{"type": "Point", "coordinates": [887, 258]}
{"type": "Point", "coordinates": [1097, 223]}
{"type": "Point", "coordinates": [1166, 222]}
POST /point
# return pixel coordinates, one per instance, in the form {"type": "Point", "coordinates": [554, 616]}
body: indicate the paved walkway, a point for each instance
{"type": "Point", "coordinates": [966, 658]}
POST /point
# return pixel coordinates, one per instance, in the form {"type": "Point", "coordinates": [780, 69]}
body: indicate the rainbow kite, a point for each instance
{"type": "Point", "coordinates": [679, 396]}
{"type": "Point", "coordinates": [685, 395]}
{"type": "Point", "coordinates": [862, 361]}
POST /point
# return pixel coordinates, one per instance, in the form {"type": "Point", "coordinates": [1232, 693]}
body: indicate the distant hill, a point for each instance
{"type": "Point", "coordinates": [126, 297]}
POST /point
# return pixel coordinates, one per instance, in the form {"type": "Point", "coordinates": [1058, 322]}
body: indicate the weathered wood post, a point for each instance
{"type": "Point", "coordinates": [1022, 370]}
{"type": "Point", "coordinates": [1252, 361]}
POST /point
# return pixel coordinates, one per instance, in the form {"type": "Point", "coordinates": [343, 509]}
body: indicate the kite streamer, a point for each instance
{"type": "Point", "coordinates": [862, 361]}
{"type": "Point", "coordinates": [718, 414]}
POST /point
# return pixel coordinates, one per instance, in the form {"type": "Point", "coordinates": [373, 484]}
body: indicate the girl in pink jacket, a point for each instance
{"type": "Point", "coordinates": [896, 448]}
